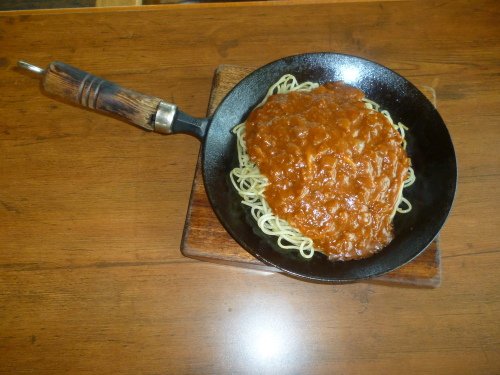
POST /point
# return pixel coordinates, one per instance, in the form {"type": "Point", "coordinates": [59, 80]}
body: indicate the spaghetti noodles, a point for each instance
{"type": "Point", "coordinates": [252, 185]}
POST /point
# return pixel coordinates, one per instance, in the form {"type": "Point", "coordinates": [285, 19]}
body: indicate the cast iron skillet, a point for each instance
{"type": "Point", "coordinates": [429, 147]}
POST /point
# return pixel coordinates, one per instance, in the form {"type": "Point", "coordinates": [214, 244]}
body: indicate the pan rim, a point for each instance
{"type": "Point", "coordinates": [216, 204]}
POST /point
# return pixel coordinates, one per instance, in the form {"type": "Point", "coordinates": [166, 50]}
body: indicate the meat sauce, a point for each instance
{"type": "Point", "coordinates": [335, 168]}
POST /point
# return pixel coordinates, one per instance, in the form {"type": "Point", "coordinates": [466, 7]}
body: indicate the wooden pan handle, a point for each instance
{"type": "Point", "coordinates": [93, 92]}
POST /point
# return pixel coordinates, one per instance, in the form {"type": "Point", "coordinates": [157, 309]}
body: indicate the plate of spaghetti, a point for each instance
{"type": "Point", "coordinates": [340, 169]}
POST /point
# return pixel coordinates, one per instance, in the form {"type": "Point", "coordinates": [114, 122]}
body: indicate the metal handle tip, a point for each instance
{"type": "Point", "coordinates": [30, 67]}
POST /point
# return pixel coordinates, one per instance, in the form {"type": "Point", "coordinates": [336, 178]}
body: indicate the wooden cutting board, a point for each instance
{"type": "Point", "coordinates": [206, 239]}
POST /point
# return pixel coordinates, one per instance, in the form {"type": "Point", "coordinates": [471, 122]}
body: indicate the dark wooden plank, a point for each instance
{"type": "Point", "coordinates": [205, 239]}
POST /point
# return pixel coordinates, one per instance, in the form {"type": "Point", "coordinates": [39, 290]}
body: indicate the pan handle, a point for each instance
{"type": "Point", "coordinates": [148, 112]}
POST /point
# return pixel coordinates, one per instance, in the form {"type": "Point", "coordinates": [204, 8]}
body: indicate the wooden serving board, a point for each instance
{"type": "Point", "coordinates": [206, 239]}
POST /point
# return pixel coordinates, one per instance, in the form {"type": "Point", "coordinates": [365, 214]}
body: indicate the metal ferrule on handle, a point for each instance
{"type": "Point", "coordinates": [164, 118]}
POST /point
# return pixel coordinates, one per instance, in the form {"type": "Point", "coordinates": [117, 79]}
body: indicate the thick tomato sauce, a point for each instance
{"type": "Point", "coordinates": [335, 167]}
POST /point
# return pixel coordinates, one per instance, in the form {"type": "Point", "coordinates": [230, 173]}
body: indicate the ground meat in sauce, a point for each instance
{"type": "Point", "coordinates": [335, 167]}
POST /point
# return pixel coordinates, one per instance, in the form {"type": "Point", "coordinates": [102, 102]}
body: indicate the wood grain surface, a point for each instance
{"type": "Point", "coordinates": [206, 239]}
{"type": "Point", "coordinates": [92, 209]}
{"type": "Point", "coordinates": [67, 82]}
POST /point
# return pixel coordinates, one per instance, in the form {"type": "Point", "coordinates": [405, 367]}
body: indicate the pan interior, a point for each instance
{"type": "Point", "coordinates": [429, 146]}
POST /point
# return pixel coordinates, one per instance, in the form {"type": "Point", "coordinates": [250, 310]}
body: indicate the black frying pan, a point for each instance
{"type": "Point", "coordinates": [429, 146]}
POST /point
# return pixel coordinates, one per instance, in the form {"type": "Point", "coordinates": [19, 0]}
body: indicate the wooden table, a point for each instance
{"type": "Point", "coordinates": [92, 210]}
